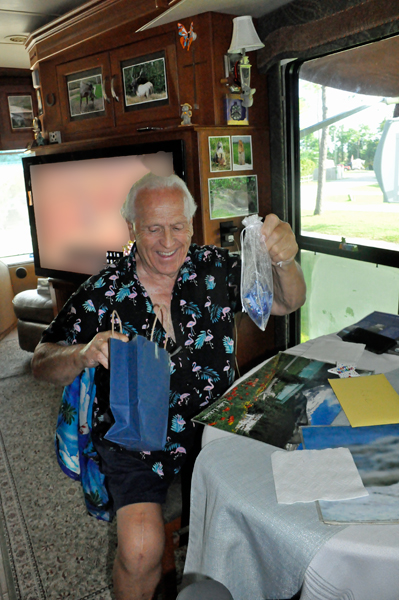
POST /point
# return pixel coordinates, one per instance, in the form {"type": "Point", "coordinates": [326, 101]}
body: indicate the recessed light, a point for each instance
{"type": "Point", "coordinates": [17, 39]}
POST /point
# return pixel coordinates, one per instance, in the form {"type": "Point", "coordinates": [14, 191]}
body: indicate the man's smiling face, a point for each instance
{"type": "Point", "coordinates": [162, 230]}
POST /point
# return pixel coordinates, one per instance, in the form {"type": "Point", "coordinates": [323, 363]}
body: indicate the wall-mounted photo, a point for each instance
{"type": "Point", "coordinates": [21, 112]}
{"type": "Point", "coordinates": [85, 94]}
{"type": "Point", "coordinates": [242, 152]}
{"type": "Point", "coordinates": [233, 196]}
{"type": "Point", "coordinates": [219, 153]}
{"type": "Point", "coordinates": [144, 81]}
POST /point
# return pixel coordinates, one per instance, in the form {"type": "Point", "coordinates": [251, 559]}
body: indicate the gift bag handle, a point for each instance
{"type": "Point", "coordinates": [153, 325]}
{"type": "Point", "coordinates": [114, 313]}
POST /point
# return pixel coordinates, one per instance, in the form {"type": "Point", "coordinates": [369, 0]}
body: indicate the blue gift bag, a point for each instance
{"type": "Point", "coordinates": [139, 394]}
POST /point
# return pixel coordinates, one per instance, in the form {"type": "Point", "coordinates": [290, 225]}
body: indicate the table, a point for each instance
{"type": "Point", "coordinates": [261, 550]}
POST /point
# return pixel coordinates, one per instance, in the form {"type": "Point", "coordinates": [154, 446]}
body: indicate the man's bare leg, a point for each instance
{"type": "Point", "coordinates": [141, 541]}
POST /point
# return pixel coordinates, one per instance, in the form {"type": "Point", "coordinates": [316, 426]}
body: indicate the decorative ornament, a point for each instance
{"type": "Point", "coordinates": [186, 114]}
{"type": "Point", "coordinates": [187, 37]}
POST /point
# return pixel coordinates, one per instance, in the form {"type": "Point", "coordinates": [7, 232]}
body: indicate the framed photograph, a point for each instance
{"type": "Point", "coordinates": [232, 196]}
{"type": "Point", "coordinates": [236, 113]}
{"type": "Point", "coordinates": [85, 94]}
{"type": "Point", "coordinates": [21, 112]}
{"type": "Point", "coordinates": [144, 81]}
{"type": "Point", "coordinates": [219, 153]}
{"type": "Point", "coordinates": [242, 152]}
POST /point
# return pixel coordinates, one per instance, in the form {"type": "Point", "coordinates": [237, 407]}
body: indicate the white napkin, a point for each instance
{"type": "Point", "coordinates": [308, 475]}
{"type": "Point", "coordinates": [333, 349]}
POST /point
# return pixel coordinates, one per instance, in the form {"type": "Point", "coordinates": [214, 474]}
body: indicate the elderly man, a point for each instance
{"type": "Point", "coordinates": [197, 288]}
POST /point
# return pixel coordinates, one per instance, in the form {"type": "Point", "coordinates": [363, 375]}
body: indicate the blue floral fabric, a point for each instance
{"type": "Point", "coordinates": [204, 300]}
{"type": "Point", "coordinates": [74, 447]}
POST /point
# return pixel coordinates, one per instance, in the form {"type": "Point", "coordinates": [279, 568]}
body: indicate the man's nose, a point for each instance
{"type": "Point", "coordinates": [167, 238]}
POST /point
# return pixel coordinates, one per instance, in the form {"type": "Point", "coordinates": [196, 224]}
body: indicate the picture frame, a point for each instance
{"type": "Point", "coordinates": [20, 108]}
{"type": "Point", "coordinates": [219, 153]}
{"type": "Point", "coordinates": [236, 112]}
{"type": "Point", "coordinates": [242, 152]}
{"type": "Point", "coordinates": [145, 82]}
{"type": "Point", "coordinates": [85, 94]}
{"type": "Point", "coordinates": [233, 196]}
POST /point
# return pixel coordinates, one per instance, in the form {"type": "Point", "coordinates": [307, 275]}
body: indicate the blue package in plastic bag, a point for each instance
{"type": "Point", "coordinates": [256, 273]}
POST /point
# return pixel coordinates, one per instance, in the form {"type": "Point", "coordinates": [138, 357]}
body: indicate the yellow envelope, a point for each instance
{"type": "Point", "coordinates": [367, 400]}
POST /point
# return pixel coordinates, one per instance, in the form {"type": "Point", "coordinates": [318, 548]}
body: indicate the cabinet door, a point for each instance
{"type": "Point", "coordinates": [82, 87]}
{"type": "Point", "coordinates": [145, 81]}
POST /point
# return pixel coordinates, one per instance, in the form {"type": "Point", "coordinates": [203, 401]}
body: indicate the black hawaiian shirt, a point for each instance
{"type": "Point", "coordinates": [204, 300]}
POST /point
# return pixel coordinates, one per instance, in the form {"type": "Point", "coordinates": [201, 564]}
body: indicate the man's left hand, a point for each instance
{"type": "Point", "coordinates": [280, 240]}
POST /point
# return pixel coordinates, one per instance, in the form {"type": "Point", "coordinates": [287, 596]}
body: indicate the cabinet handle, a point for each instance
{"type": "Point", "coordinates": [104, 92]}
{"type": "Point", "coordinates": [114, 94]}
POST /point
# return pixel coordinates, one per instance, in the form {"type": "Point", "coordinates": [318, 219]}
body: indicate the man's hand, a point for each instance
{"type": "Point", "coordinates": [280, 240]}
{"type": "Point", "coordinates": [289, 286]}
{"type": "Point", "coordinates": [96, 352]}
{"type": "Point", "coordinates": [60, 364]}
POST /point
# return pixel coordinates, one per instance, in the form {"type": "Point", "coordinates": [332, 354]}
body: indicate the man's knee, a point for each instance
{"type": "Point", "coordinates": [141, 538]}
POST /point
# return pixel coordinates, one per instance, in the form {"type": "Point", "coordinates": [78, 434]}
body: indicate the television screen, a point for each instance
{"type": "Point", "coordinates": [74, 202]}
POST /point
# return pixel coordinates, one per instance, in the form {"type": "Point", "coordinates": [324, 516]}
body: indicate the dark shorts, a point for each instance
{"type": "Point", "coordinates": [127, 478]}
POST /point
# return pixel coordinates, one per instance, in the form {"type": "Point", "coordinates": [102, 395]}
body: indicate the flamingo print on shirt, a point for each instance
{"type": "Point", "coordinates": [204, 300]}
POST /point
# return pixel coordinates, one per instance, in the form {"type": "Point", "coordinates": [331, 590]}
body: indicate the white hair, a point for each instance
{"type": "Point", "coordinates": [155, 182]}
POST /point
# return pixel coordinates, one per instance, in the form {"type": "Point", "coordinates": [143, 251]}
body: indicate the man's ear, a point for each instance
{"type": "Point", "coordinates": [131, 230]}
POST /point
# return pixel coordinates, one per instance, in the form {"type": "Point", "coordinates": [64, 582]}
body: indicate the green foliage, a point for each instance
{"type": "Point", "coordinates": [153, 71]}
{"type": "Point", "coordinates": [307, 166]}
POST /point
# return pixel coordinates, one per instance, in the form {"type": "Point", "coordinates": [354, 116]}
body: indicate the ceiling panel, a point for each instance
{"type": "Point", "coordinates": [189, 8]}
{"type": "Point", "coordinates": [21, 17]}
{"type": "Point", "coordinates": [25, 16]}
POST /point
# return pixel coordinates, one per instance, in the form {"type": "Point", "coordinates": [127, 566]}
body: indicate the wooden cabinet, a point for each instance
{"type": "Point", "coordinates": [113, 102]}
{"type": "Point", "coordinates": [192, 76]}
{"type": "Point", "coordinates": [85, 115]}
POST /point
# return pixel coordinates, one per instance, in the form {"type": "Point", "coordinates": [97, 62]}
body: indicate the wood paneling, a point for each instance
{"type": "Point", "coordinates": [14, 82]}
{"type": "Point", "coordinates": [193, 76]}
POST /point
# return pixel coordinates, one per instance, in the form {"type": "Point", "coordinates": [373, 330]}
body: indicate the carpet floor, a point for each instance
{"type": "Point", "coordinates": [54, 550]}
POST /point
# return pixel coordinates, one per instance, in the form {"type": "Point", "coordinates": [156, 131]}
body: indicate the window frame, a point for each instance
{"type": "Point", "coordinates": [363, 253]}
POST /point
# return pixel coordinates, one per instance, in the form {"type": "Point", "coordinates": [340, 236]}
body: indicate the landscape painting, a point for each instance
{"type": "Point", "coordinates": [233, 196]}
{"type": "Point", "coordinates": [21, 112]}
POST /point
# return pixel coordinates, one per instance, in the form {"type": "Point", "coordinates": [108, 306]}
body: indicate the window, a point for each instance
{"type": "Point", "coordinates": [345, 180]}
{"type": "Point", "coordinates": [15, 236]}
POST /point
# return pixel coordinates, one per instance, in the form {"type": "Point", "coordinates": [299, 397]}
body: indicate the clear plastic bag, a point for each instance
{"type": "Point", "coordinates": [256, 273]}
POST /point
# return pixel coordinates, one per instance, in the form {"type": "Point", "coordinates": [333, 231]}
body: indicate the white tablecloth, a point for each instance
{"type": "Point", "coordinates": [261, 550]}
{"type": "Point", "coordinates": [239, 535]}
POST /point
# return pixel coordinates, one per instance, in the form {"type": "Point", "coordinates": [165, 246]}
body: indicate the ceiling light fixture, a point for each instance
{"type": "Point", "coordinates": [17, 39]}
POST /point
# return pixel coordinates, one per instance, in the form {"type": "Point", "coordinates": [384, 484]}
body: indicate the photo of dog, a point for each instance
{"type": "Point", "coordinates": [219, 157]}
{"type": "Point", "coordinates": [219, 153]}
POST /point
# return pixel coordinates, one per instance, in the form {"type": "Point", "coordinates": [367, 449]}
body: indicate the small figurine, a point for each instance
{"type": "Point", "coordinates": [39, 139]}
{"type": "Point", "coordinates": [186, 114]}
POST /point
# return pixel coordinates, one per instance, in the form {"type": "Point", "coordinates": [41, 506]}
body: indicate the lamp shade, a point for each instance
{"type": "Point", "coordinates": [244, 36]}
